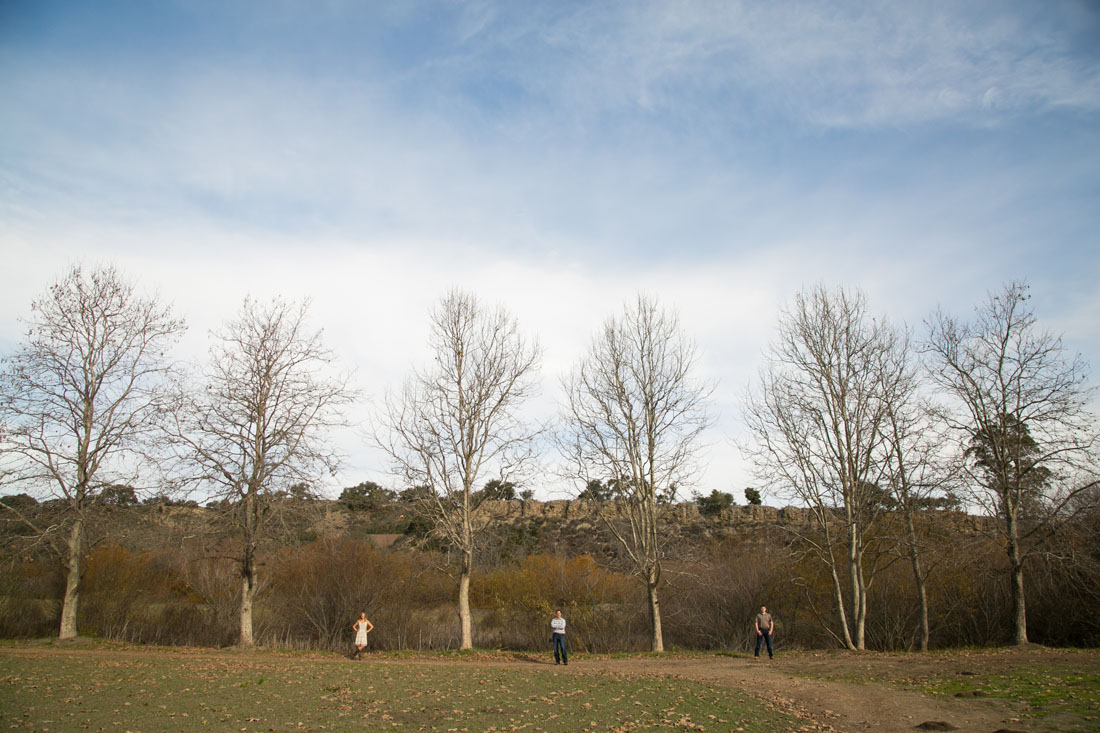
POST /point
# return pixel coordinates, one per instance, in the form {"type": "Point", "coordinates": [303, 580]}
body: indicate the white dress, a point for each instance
{"type": "Point", "coordinates": [361, 633]}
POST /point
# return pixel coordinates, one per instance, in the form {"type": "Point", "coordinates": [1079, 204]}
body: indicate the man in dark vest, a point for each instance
{"type": "Point", "coordinates": [764, 627]}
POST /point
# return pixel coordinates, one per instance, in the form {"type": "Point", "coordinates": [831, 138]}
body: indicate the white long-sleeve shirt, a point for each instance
{"type": "Point", "coordinates": [557, 625]}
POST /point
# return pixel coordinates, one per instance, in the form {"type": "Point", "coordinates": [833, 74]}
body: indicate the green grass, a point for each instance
{"type": "Point", "coordinates": [1045, 691]}
{"type": "Point", "coordinates": [1064, 696]}
{"type": "Point", "coordinates": [155, 690]}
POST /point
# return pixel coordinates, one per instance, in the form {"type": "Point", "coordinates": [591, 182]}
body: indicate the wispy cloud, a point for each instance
{"type": "Point", "coordinates": [827, 64]}
{"type": "Point", "coordinates": [557, 158]}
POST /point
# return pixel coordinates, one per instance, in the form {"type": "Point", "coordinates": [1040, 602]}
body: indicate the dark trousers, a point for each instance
{"type": "Point", "coordinates": [559, 649]}
{"type": "Point", "coordinates": [764, 636]}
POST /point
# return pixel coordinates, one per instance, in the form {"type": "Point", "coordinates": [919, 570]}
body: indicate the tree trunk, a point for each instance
{"type": "Point", "coordinates": [861, 611]}
{"type": "Point", "coordinates": [656, 642]}
{"type": "Point", "coordinates": [72, 582]}
{"type": "Point", "coordinates": [248, 594]}
{"type": "Point", "coordinates": [858, 588]}
{"type": "Point", "coordinates": [918, 577]}
{"type": "Point", "coordinates": [859, 600]}
{"type": "Point", "coordinates": [1019, 610]}
{"type": "Point", "coordinates": [1016, 568]}
{"type": "Point", "coordinates": [922, 595]}
{"type": "Point", "coordinates": [838, 598]}
{"type": "Point", "coordinates": [464, 608]}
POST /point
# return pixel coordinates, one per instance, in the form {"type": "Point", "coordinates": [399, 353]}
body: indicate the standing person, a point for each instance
{"type": "Point", "coordinates": [764, 628]}
{"type": "Point", "coordinates": [557, 626]}
{"type": "Point", "coordinates": [362, 627]}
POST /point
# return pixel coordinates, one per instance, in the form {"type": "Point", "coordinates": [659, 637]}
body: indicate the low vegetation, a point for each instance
{"type": "Point", "coordinates": [155, 577]}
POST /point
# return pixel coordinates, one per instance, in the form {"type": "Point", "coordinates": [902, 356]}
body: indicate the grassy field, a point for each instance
{"type": "Point", "coordinates": [109, 687]}
{"type": "Point", "coordinates": [1044, 691]}
{"type": "Point", "coordinates": [1054, 689]}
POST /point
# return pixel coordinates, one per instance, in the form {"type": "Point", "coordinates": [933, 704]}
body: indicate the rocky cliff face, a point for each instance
{"type": "Point", "coordinates": [519, 527]}
{"type": "Point", "coordinates": [577, 526]}
{"type": "Point", "coordinates": [578, 510]}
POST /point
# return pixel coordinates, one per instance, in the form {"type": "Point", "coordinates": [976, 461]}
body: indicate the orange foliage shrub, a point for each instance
{"type": "Point", "coordinates": [603, 608]}
{"type": "Point", "coordinates": [142, 597]}
{"type": "Point", "coordinates": [318, 591]}
{"type": "Point", "coordinates": [29, 593]}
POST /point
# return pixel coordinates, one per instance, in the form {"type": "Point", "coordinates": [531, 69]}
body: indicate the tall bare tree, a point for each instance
{"type": "Point", "coordinates": [80, 401]}
{"type": "Point", "coordinates": [1022, 419]}
{"type": "Point", "coordinates": [459, 420]}
{"type": "Point", "coordinates": [260, 424]}
{"type": "Point", "coordinates": [634, 414]}
{"type": "Point", "coordinates": [920, 475]}
{"type": "Point", "coordinates": [819, 419]}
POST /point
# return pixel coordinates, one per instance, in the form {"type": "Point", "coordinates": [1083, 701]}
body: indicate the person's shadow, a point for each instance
{"type": "Point", "coordinates": [532, 659]}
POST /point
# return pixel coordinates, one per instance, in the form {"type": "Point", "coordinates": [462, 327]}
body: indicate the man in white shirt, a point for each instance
{"type": "Point", "coordinates": [557, 626]}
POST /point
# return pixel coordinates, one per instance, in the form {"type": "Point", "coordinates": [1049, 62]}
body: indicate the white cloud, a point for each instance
{"type": "Point", "coordinates": [373, 302]}
{"type": "Point", "coordinates": [558, 159]}
{"type": "Point", "coordinates": [835, 64]}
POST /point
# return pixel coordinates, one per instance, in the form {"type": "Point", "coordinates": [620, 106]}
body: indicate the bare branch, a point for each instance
{"type": "Point", "coordinates": [1020, 415]}
{"type": "Point", "coordinates": [819, 418]}
{"type": "Point", "coordinates": [634, 415]}
{"type": "Point", "coordinates": [82, 398]}
{"type": "Point", "coordinates": [260, 424]}
{"type": "Point", "coordinates": [458, 421]}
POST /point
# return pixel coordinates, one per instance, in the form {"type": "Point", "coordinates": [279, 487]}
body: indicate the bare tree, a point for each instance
{"type": "Point", "coordinates": [80, 401]}
{"type": "Point", "coordinates": [261, 423]}
{"type": "Point", "coordinates": [819, 419]}
{"type": "Point", "coordinates": [458, 421]}
{"type": "Point", "coordinates": [634, 414]}
{"type": "Point", "coordinates": [1022, 419]}
{"type": "Point", "coordinates": [920, 476]}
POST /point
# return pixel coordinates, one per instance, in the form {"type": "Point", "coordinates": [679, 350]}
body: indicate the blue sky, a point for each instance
{"type": "Point", "coordinates": [555, 158]}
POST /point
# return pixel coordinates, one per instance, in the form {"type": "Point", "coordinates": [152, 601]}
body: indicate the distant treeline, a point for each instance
{"type": "Point", "coordinates": [154, 578]}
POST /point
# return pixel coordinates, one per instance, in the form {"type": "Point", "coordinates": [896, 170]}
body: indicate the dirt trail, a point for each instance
{"type": "Point", "coordinates": [833, 706]}
{"type": "Point", "coordinates": [821, 705]}
{"type": "Point", "coordinates": [796, 684]}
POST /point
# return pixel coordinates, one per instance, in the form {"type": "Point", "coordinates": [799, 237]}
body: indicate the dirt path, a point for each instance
{"type": "Point", "coordinates": [822, 705]}
{"type": "Point", "coordinates": [799, 683]}
{"type": "Point", "coordinates": [835, 706]}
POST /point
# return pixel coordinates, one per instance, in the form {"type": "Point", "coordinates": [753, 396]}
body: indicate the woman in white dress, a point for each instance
{"type": "Point", "coordinates": [362, 627]}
